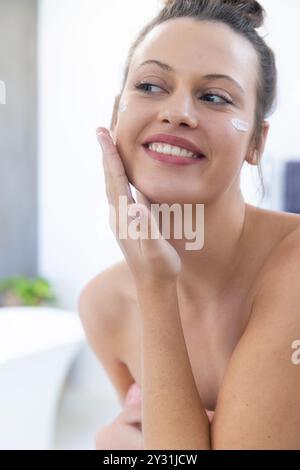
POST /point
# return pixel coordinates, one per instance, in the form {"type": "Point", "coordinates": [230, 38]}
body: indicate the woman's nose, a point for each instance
{"type": "Point", "coordinates": [180, 111]}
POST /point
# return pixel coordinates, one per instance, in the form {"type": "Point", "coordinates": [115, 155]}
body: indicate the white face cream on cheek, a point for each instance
{"type": "Point", "coordinates": [240, 125]}
{"type": "Point", "coordinates": [123, 106]}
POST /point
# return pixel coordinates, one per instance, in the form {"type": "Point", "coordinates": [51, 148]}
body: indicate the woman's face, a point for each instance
{"type": "Point", "coordinates": [186, 103]}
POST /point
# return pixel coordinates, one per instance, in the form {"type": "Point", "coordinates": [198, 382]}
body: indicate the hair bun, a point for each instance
{"type": "Point", "coordinates": [250, 9]}
{"type": "Point", "coordinates": [167, 3]}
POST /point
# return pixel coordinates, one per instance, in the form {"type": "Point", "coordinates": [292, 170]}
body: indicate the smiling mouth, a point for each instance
{"type": "Point", "coordinates": [173, 159]}
{"type": "Point", "coordinates": [194, 156]}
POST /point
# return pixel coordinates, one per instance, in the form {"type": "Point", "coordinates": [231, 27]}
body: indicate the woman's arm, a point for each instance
{"type": "Point", "coordinates": [102, 320]}
{"type": "Point", "coordinates": [173, 415]}
{"type": "Point", "coordinates": [102, 309]}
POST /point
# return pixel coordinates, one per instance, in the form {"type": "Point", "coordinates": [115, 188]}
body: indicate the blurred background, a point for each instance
{"type": "Point", "coordinates": [61, 64]}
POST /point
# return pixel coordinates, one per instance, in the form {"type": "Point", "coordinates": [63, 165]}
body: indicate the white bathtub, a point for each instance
{"type": "Point", "coordinates": [37, 347]}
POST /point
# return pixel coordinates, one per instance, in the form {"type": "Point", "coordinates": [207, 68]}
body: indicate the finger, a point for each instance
{"type": "Point", "coordinates": [116, 180]}
{"type": "Point", "coordinates": [210, 415]}
{"type": "Point", "coordinates": [144, 201]}
{"type": "Point", "coordinates": [114, 166]}
{"type": "Point", "coordinates": [134, 394]}
{"type": "Point", "coordinates": [131, 196]}
{"type": "Point", "coordinates": [124, 437]}
{"type": "Point", "coordinates": [117, 185]}
{"type": "Point", "coordinates": [156, 248]}
{"type": "Point", "coordinates": [141, 198]}
{"type": "Point", "coordinates": [107, 182]}
{"type": "Point", "coordinates": [131, 414]}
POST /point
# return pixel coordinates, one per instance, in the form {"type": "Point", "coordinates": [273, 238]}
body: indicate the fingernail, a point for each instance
{"type": "Point", "coordinates": [134, 395]}
{"type": "Point", "coordinates": [100, 129]}
{"type": "Point", "coordinates": [104, 141]}
{"type": "Point", "coordinates": [129, 193]}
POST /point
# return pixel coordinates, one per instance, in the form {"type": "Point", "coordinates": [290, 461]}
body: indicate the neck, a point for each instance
{"type": "Point", "coordinates": [209, 268]}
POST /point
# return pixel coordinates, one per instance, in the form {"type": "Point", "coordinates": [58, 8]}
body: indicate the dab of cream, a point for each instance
{"type": "Point", "coordinates": [240, 125]}
{"type": "Point", "coordinates": [123, 106]}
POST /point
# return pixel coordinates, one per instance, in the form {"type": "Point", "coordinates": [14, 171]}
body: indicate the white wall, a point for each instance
{"type": "Point", "coordinates": [82, 48]}
{"type": "Point", "coordinates": [284, 38]}
{"type": "Point", "coordinates": [282, 34]}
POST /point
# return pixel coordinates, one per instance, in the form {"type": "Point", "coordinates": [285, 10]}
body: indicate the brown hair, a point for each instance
{"type": "Point", "coordinates": [243, 16]}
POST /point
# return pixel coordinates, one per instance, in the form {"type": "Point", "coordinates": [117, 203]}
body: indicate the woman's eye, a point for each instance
{"type": "Point", "coordinates": [225, 100]}
{"type": "Point", "coordinates": [143, 86]}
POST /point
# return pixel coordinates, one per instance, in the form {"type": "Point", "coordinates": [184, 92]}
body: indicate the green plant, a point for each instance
{"type": "Point", "coordinates": [27, 290]}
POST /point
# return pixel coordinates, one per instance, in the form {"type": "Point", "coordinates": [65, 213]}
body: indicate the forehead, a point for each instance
{"type": "Point", "coordinates": [195, 47]}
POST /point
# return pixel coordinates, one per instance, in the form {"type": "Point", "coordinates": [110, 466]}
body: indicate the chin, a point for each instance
{"type": "Point", "coordinates": [167, 196]}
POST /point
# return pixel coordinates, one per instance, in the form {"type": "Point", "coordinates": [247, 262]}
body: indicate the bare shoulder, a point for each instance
{"type": "Point", "coordinates": [277, 282]}
{"type": "Point", "coordinates": [272, 242]}
{"type": "Point", "coordinates": [106, 298]}
{"type": "Point", "coordinates": [281, 231]}
{"type": "Point", "coordinates": [272, 223]}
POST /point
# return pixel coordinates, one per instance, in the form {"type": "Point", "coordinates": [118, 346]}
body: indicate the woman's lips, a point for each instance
{"type": "Point", "coordinates": [172, 159]}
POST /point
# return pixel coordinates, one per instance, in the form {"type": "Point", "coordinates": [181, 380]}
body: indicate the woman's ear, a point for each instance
{"type": "Point", "coordinates": [263, 138]}
{"type": "Point", "coordinates": [114, 118]}
{"type": "Point", "coordinates": [254, 156]}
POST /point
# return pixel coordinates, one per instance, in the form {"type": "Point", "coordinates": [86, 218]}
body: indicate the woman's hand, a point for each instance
{"type": "Point", "coordinates": [149, 259]}
{"type": "Point", "coordinates": [124, 433]}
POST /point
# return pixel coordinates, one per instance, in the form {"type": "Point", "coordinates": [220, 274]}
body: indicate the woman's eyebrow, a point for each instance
{"type": "Point", "coordinates": [211, 76]}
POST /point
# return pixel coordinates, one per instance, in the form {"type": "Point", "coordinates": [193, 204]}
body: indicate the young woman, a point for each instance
{"type": "Point", "coordinates": [211, 329]}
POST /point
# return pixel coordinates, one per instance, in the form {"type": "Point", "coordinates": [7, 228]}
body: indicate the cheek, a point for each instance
{"type": "Point", "coordinates": [127, 133]}
{"type": "Point", "coordinates": [227, 140]}
{"type": "Point", "coordinates": [220, 135]}
{"type": "Point", "coordinates": [227, 146]}
{"type": "Point", "coordinates": [125, 140]}
{"type": "Point", "coordinates": [128, 124]}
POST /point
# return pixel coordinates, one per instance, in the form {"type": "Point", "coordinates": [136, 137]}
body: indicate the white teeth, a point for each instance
{"type": "Point", "coordinates": [171, 150]}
